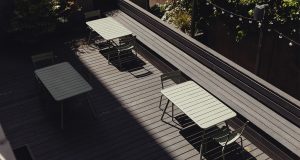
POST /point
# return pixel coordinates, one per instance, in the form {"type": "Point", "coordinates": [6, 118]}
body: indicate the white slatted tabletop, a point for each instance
{"type": "Point", "coordinates": [108, 28]}
{"type": "Point", "coordinates": [62, 81]}
{"type": "Point", "coordinates": [198, 104]}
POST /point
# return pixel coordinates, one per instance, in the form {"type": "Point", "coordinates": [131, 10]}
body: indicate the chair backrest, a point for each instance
{"type": "Point", "coordinates": [47, 58]}
{"type": "Point", "coordinates": [90, 15]}
{"type": "Point", "coordinates": [241, 129]}
{"type": "Point", "coordinates": [176, 76]}
{"type": "Point", "coordinates": [127, 42]}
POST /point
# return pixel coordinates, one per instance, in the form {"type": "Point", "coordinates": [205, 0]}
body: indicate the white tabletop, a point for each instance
{"type": "Point", "coordinates": [108, 28]}
{"type": "Point", "coordinates": [62, 81]}
{"type": "Point", "coordinates": [198, 104]}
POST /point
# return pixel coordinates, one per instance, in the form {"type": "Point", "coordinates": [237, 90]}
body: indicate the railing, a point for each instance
{"type": "Point", "coordinates": [275, 99]}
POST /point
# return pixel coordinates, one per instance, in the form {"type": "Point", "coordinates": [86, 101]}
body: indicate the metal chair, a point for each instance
{"type": "Point", "coordinates": [105, 45]}
{"type": "Point", "coordinates": [176, 76]}
{"type": "Point", "coordinates": [43, 59]}
{"type": "Point", "coordinates": [126, 46]}
{"type": "Point", "coordinates": [227, 137]}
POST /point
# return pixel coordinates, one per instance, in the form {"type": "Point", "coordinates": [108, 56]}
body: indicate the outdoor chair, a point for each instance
{"type": "Point", "coordinates": [126, 46]}
{"type": "Point", "coordinates": [176, 76]}
{"type": "Point", "coordinates": [111, 52]}
{"type": "Point", "coordinates": [42, 60]}
{"type": "Point", "coordinates": [105, 46]}
{"type": "Point", "coordinates": [227, 137]}
{"type": "Point", "coordinates": [126, 43]}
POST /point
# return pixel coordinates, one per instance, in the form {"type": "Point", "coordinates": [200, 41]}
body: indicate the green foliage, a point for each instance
{"type": "Point", "coordinates": [283, 14]}
{"type": "Point", "coordinates": [280, 12]}
{"type": "Point", "coordinates": [158, 10]}
{"type": "Point", "coordinates": [239, 33]}
{"type": "Point", "coordinates": [35, 18]}
{"type": "Point", "coordinates": [178, 13]}
{"type": "Point", "coordinates": [181, 19]}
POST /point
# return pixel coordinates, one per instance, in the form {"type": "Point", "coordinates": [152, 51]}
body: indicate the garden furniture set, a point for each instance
{"type": "Point", "coordinates": [201, 107]}
{"type": "Point", "coordinates": [63, 82]}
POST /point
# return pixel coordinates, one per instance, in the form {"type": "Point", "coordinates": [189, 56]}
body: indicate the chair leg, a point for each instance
{"type": "Point", "coordinates": [39, 83]}
{"type": "Point", "coordinates": [173, 112]}
{"type": "Point", "coordinates": [242, 148]}
{"type": "Point", "coordinates": [108, 58]}
{"type": "Point", "coordinates": [62, 115]}
{"type": "Point", "coordinates": [162, 117]}
{"type": "Point", "coordinates": [93, 111]}
{"type": "Point", "coordinates": [242, 142]}
{"type": "Point", "coordinates": [202, 145]}
{"type": "Point", "coordinates": [119, 60]}
{"type": "Point", "coordinates": [227, 125]}
{"type": "Point", "coordinates": [223, 155]}
{"type": "Point", "coordinates": [160, 102]}
{"type": "Point", "coordinates": [89, 37]}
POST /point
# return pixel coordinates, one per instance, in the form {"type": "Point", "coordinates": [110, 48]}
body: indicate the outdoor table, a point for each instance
{"type": "Point", "coordinates": [198, 104]}
{"type": "Point", "coordinates": [108, 28]}
{"type": "Point", "coordinates": [63, 82]}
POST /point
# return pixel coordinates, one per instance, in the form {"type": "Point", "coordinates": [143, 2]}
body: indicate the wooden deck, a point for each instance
{"type": "Point", "coordinates": [128, 124]}
{"type": "Point", "coordinates": [151, 32]}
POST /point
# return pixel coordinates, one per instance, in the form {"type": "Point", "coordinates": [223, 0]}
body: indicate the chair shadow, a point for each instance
{"type": "Point", "coordinates": [193, 134]}
{"type": "Point", "coordinates": [139, 72]}
{"type": "Point", "coordinates": [126, 62]}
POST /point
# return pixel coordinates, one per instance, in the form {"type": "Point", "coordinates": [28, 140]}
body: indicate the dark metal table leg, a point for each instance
{"type": "Point", "coordinates": [93, 111]}
{"type": "Point", "coordinates": [162, 117]}
{"type": "Point", "coordinates": [62, 114]}
{"type": "Point", "coordinates": [202, 145]}
{"type": "Point", "coordinates": [89, 37]}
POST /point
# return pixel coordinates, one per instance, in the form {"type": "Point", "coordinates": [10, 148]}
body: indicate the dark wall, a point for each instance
{"type": "Point", "coordinates": [6, 8]}
{"type": "Point", "coordinates": [106, 5]}
{"type": "Point", "coordinates": [142, 3]}
{"type": "Point", "coordinates": [279, 62]}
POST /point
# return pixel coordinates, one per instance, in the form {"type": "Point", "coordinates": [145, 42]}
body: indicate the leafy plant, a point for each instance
{"type": "Point", "coordinates": [181, 20]}
{"type": "Point", "coordinates": [283, 15]}
{"type": "Point", "coordinates": [158, 10]}
{"type": "Point", "coordinates": [34, 18]}
{"type": "Point", "coordinates": [178, 13]}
